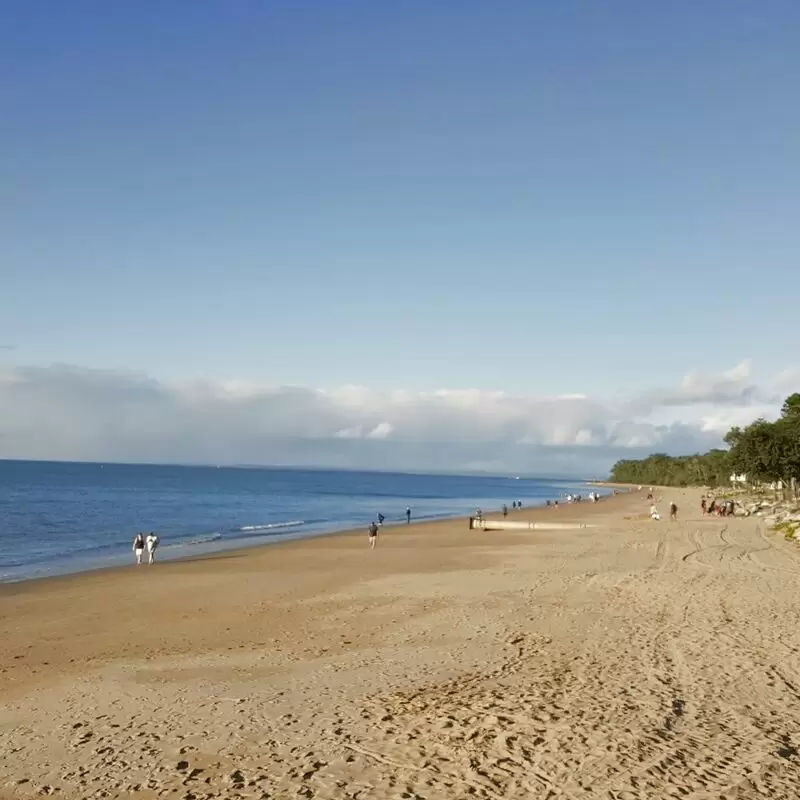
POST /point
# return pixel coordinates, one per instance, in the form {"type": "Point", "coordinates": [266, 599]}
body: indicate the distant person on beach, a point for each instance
{"type": "Point", "coordinates": [519, 504]}
{"type": "Point", "coordinates": [138, 547]}
{"type": "Point", "coordinates": [703, 505]}
{"type": "Point", "coordinates": [478, 514]}
{"type": "Point", "coordinates": [408, 516]}
{"type": "Point", "coordinates": [514, 505]}
{"type": "Point", "coordinates": [381, 518]}
{"type": "Point", "coordinates": [654, 513]}
{"type": "Point", "coordinates": [373, 535]}
{"type": "Point", "coordinates": [152, 546]}
{"type": "Point", "coordinates": [673, 511]}
{"type": "Point", "coordinates": [505, 510]}
{"type": "Point", "coordinates": [712, 507]}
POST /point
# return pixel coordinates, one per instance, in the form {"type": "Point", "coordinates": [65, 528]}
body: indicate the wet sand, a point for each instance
{"type": "Point", "coordinates": [632, 660]}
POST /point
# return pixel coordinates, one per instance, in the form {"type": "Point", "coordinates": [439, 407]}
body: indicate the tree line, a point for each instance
{"type": "Point", "coordinates": [765, 452]}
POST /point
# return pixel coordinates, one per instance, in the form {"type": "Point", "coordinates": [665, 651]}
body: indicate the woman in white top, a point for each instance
{"type": "Point", "coordinates": [152, 544]}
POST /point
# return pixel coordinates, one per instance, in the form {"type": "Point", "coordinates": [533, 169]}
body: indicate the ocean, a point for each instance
{"type": "Point", "coordinates": [58, 518]}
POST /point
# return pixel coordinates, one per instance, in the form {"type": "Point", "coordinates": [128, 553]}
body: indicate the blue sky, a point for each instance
{"type": "Point", "coordinates": [541, 199]}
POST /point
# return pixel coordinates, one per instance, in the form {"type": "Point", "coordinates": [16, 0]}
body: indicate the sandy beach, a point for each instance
{"type": "Point", "coordinates": [631, 660]}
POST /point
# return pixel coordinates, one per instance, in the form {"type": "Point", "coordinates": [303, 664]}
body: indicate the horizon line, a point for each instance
{"type": "Point", "coordinates": [309, 468]}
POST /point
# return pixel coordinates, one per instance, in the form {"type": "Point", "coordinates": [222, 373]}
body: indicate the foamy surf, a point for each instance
{"type": "Point", "coordinates": [271, 526]}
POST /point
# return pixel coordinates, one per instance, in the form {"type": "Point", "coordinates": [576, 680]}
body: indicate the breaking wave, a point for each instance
{"type": "Point", "coordinates": [271, 526]}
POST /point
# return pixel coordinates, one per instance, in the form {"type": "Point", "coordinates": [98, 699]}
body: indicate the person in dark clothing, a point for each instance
{"type": "Point", "coordinates": [373, 535]}
{"type": "Point", "coordinates": [138, 547]}
{"type": "Point", "coordinates": [408, 516]}
{"type": "Point", "coordinates": [381, 518]}
{"type": "Point", "coordinates": [673, 511]}
{"type": "Point", "coordinates": [505, 510]}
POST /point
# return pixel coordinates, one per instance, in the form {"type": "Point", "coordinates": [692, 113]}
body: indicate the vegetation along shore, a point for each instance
{"type": "Point", "coordinates": [762, 452]}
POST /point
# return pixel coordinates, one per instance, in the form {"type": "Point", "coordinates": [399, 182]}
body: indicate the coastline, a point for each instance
{"type": "Point", "coordinates": [507, 662]}
{"type": "Point", "coordinates": [39, 617]}
{"type": "Point", "coordinates": [194, 550]}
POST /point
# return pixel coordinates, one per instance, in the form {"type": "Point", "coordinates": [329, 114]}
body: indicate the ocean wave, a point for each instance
{"type": "Point", "coordinates": [271, 526]}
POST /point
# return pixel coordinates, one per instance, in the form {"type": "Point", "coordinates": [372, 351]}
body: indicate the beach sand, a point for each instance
{"type": "Point", "coordinates": [632, 660]}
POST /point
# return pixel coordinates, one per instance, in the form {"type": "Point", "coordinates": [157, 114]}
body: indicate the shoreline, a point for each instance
{"type": "Point", "coordinates": [241, 545]}
{"type": "Point", "coordinates": [444, 658]}
{"type": "Point", "coordinates": [59, 626]}
{"type": "Point", "coordinates": [41, 610]}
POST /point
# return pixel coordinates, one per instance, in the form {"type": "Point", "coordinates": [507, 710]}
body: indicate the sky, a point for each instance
{"type": "Point", "coordinates": [456, 235]}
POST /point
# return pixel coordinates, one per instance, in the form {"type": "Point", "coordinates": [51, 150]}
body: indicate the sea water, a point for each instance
{"type": "Point", "coordinates": [58, 518]}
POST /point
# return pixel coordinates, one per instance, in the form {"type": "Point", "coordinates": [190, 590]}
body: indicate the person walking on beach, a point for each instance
{"type": "Point", "coordinates": [373, 534]}
{"type": "Point", "coordinates": [381, 518]}
{"type": "Point", "coordinates": [703, 506]}
{"type": "Point", "coordinates": [138, 547]}
{"type": "Point", "coordinates": [673, 511]}
{"type": "Point", "coordinates": [505, 510]}
{"type": "Point", "coordinates": [152, 545]}
{"type": "Point", "coordinates": [408, 516]}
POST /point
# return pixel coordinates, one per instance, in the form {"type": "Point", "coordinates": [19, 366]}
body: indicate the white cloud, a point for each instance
{"type": "Point", "coordinates": [730, 388]}
{"type": "Point", "coordinates": [584, 437]}
{"type": "Point", "coordinates": [67, 412]}
{"type": "Point", "coordinates": [381, 431]}
{"type": "Point", "coordinates": [788, 381]}
{"type": "Point", "coordinates": [349, 433]}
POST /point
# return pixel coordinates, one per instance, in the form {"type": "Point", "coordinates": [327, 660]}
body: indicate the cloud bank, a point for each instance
{"type": "Point", "coordinates": [74, 413]}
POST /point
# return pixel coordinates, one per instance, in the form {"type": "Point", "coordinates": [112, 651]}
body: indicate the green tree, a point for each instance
{"type": "Point", "coordinates": [764, 451]}
{"type": "Point", "coordinates": [791, 407]}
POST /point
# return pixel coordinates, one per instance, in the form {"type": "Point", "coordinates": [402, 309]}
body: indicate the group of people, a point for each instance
{"type": "Point", "coordinates": [150, 542]}
{"type": "Point", "coordinates": [576, 498]}
{"type": "Point", "coordinates": [516, 505]}
{"type": "Point", "coordinates": [708, 507]}
{"type": "Point", "coordinates": [724, 508]}
{"type": "Point", "coordinates": [378, 523]}
{"type": "Point", "coordinates": [673, 511]}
